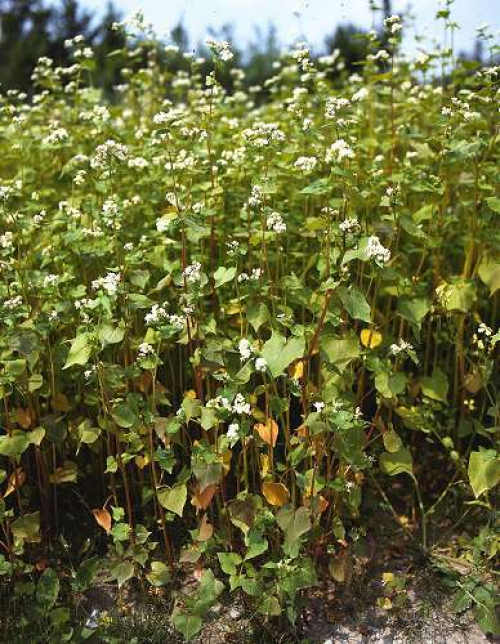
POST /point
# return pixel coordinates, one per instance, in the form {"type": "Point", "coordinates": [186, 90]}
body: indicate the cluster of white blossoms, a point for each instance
{"type": "Point", "coordinates": [7, 240]}
{"type": "Point", "coordinates": [360, 95]}
{"type": "Point", "coordinates": [255, 275]}
{"type": "Point", "coordinates": [192, 273]}
{"type": "Point", "coordinates": [245, 349]}
{"type": "Point", "coordinates": [306, 164]}
{"type": "Point", "coordinates": [300, 53]}
{"type": "Point", "coordinates": [261, 364]}
{"type": "Point", "coordinates": [349, 225]}
{"type": "Point", "coordinates": [375, 250]}
{"type": "Point", "coordinates": [233, 433]}
{"type": "Point", "coordinates": [221, 48]}
{"type": "Point", "coordinates": [255, 199]}
{"type": "Point", "coordinates": [50, 280]}
{"type": "Point", "coordinates": [401, 347]}
{"type": "Point", "coordinates": [13, 303]}
{"type": "Point", "coordinates": [144, 350]}
{"type": "Point", "coordinates": [56, 135]}
{"type": "Point", "coordinates": [382, 54]}
{"type": "Point", "coordinates": [339, 151]}
{"type": "Point", "coordinates": [262, 134]}
{"type": "Point", "coordinates": [106, 151]}
{"type": "Point", "coordinates": [482, 337]}
{"type": "Point", "coordinates": [5, 192]}
{"type": "Point", "coordinates": [393, 24]}
{"type": "Point", "coordinates": [108, 283]}
{"type": "Point", "coordinates": [334, 104]}
{"type": "Point", "coordinates": [240, 406]}
{"type": "Point", "coordinates": [275, 222]}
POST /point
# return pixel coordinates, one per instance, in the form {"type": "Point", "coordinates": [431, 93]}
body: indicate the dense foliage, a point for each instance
{"type": "Point", "coordinates": [222, 324]}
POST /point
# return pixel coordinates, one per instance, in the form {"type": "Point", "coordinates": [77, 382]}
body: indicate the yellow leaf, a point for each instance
{"type": "Point", "coordinates": [370, 338]}
{"type": "Point", "coordinates": [190, 394]}
{"type": "Point", "coordinates": [298, 370]}
{"type": "Point", "coordinates": [226, 462]}
{"type": "Point", "coordinates": [103, 518]}
{"type": "Point", "coordinates": [264, 465]}
{"type": "Point", "coordinates": [16, 479]}
{"type": "Point", "coordinates": [268, 432]}
{"type": "Point", "coordinates": [275, 493]}
{"type": "Point", "coordinates": [141, 461]}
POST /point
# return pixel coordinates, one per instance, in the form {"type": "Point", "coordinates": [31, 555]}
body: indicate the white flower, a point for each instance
{"type": "Point", "coordinates": [177, 321]}
{"type": "Point", "coordinates": [221, 48]}
{"type": "Point", "coordinates": [245, 349]}
{"type": "Point", "coordinates": [233, 432]}
{"type": "Point", "coordinates": [306, 164]}
{"type": "Point", "coordinates": [275, 222]}
{"type": "Point", "coordinates": [376, 251]}
{"type": "Point", "coordinates": [6, 240]}
{"type": "Point", "coordinates": [145, 349]}
{"type": "Point", "coordinates": [240, 405]}
{"type": "Point", "coordinates": [400, 347]}
{"type": "Point", "coordinates": [13, 303]}
{"type": "Point", "coordinates": [360, 95]}
{"type": "Point", "coordinates": [109, 283]}
{"type": "Point", "coordinates": [192, 273]}
{"type": "Point", "coordinates": [319, 406]}
{"type": "Point", "coordinates": [349, 225]}
{"type": "Point", "coordinates": [339, 151]}
{"type": "Point", "coordinates": [50, 280]}
{"type": "Point", "coordinates": [261, 364]}
{"type": "Point", "coordinates": [156, 314]}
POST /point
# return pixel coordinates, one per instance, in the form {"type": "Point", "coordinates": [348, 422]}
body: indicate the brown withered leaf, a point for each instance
{"type": "Point", "coordinates": [205, 530]}
{"type": "Point", "coordinates": [103, 518]}
{"type": "Point", "coordinates": [268, 432]}
{"type": "Point", "coordinates": [201, 500]}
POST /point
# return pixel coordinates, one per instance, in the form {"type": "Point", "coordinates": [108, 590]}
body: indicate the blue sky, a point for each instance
{"type": "Point", "coordinates": [299, 19]}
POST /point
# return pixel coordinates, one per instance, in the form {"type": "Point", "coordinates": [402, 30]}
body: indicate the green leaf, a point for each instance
{"type": "Point", "coordinates": [224, 275]}
{"type": "Point", "coordinates": [485, 609]}
{"type": "Point", "coordinates": [355, 303]}
{"type": "Point", "coordinates": [280, 353]}
{"type": "Point", "coordinates": [270, 606]}
{"type": "Point", "coordinates": [400, 462]}
{"type": "Point", "coordinates": [484, 471]}
{"type": "Point", "coordinates": [435, 386]}
{"type": "Point", "coordinates": [494, 204]}
{"type": "Point", "coordinates": [294, 524]}
{"type": "Point", "coordinates": [209, 589]}
{"type": "Point", "coordinates": [341, 351]}
{"type": "Point", "coordinates": [229, 562]}
{"type": "Point", "coordinates": [80, 351]}
{"type": "Point", "coordinates": [26, 528]}
{"type": "Point", "coordinates": [188, 625]}
{"type": "Point", "coordinates": [124, 416]}
{"type": "Point", "coordinates": [47, 590]}
{"type": "Point", "coordinates": [109, 334]}
{"type": "Point", "coordinates": [257, 315]}
{"type": "Point", "coordinates": [392, 442]}
{"type": "Point", "coordinates": [460, 295]}
{"type": "Point", "coordinates": [13, 446]}
{"type": "Point", "coordinates": [122, 572]}
{"type": "Point", "coordinates": [414, 310]}
{"type": "Point", "coordinates": [173, 499]}
{"type": "Point", "coordinates": [489, 272]}
{"type": "Point", "coordinates": [159, 575]}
